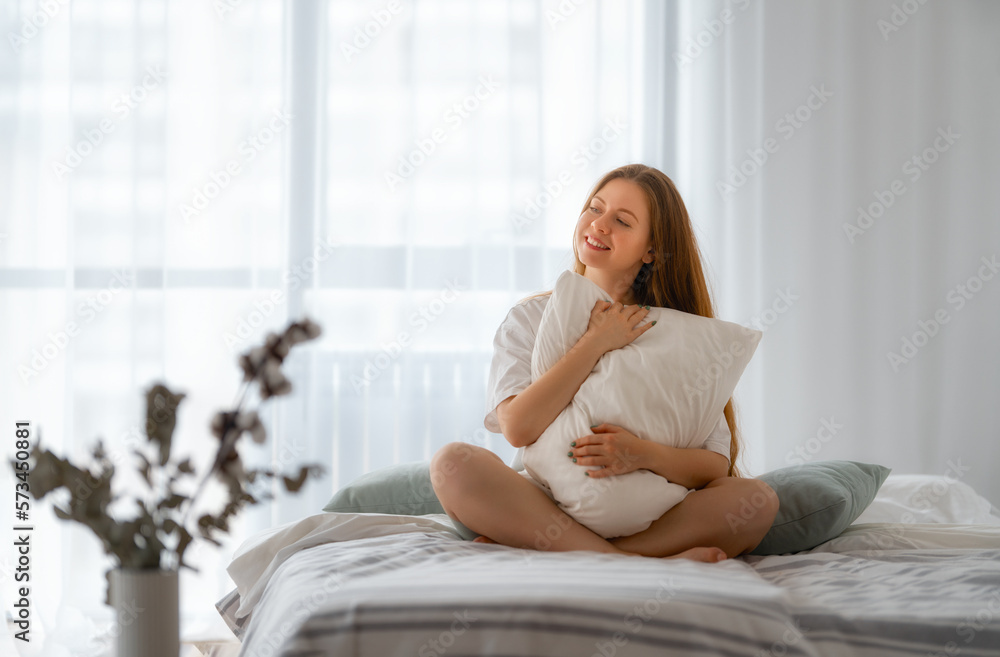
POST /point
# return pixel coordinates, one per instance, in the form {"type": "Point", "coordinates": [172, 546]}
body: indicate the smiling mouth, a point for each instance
{"type": "Point", "coordinates": [592, 243]}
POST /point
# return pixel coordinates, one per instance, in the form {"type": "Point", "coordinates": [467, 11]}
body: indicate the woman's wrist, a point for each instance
{"type": "Point", "coordinates": [653, 456]}
{"type": "Point", "coordinates": [690, 467]}
{"type": "Point", "coordinates": [589, 345]}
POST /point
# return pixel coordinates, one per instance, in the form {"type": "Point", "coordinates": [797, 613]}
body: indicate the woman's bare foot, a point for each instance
{"type": "Point", "coordinates": [483, 539]}
{"type": "Point", "coordinates": [704, 554]}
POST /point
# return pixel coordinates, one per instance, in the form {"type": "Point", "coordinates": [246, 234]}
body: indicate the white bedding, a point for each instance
{"type": "Point", "coordinates": [257, 558]}
{"type": "Point", "coordinates": [917, 498]}
{"type": "Point", "coordinates": [379, 585]}
{"type": "Point", "coordinates": [404, 594]}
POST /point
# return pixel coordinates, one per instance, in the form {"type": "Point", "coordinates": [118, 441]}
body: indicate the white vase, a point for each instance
{"type": "Point", "coordinates": [146, 612]}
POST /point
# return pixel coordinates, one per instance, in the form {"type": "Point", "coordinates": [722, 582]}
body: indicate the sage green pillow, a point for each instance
{"type": "Point", "coordinates": [818, 501]}
{"type": "Point", "coordinates": [403, 489]}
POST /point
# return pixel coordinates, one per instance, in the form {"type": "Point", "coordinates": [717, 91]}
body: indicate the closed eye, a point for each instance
{"type": "Point", "coordinates": [597, 211]}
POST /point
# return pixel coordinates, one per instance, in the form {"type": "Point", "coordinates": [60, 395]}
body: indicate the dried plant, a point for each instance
{"type": "Point", "coordinates": [158, 532]}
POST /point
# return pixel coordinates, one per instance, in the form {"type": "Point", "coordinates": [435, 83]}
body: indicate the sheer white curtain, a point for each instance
{"type": "Point", "coordinates": [178, 178]}
{"type": "Point", "coordinates": [880, 328]}
{"type": "Point", "coordinates": [142, 192]}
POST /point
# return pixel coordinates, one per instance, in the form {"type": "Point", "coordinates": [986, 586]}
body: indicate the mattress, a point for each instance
{"type": "Point", "coordinates": [381, 585]}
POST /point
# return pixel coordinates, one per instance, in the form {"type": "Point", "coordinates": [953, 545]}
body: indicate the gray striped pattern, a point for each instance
{"type": "Point", "coordinates": [429, 595]}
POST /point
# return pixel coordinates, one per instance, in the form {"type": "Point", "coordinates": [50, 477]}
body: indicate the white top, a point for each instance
{"type": "Point", "coordinates": [510, 371]}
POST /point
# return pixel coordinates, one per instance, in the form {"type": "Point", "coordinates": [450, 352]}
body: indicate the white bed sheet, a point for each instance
{"type": "Point", "coordinates": [878, 589]}
{"type": "Point", "coordinates": [378, 585]}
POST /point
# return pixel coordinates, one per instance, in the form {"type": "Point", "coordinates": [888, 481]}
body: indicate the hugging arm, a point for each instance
{"type": "Point", "coordinates": [525, 416]}
{"type": "Point", "coordinates": [689, 467]}
{"type": "Point", "coordinates": [620, 452]}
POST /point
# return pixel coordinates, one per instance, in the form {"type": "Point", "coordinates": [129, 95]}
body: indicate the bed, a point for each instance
{"type": "Point", "coordinates": [365, 584]}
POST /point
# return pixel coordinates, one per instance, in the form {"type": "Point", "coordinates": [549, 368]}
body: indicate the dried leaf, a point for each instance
{"type": "Point", "coordinates": [161, 417]}
{"type": "Point", "coordinates": [277, 346]}
{"type": "Point", "coordinates": [250, 421]}
{"type": "Point", "coordinates": [46, 475]}
{"type": "Point", "coordinates": [252, 362]}
{"type": "Point", "coordinates": [222, 422]}
{"type": "Point", "coordinates": [144, 467]}
{"type": "Point", "coordinates": [172, 502]}
{"type": "Point", "coordinates": [206, 524]}
{"type": "Point", "coordinates": [292, 485]}
{"type": "Point", "coordinates": [156, 529]}
{"type": "Point", "coordinates": [273, 382]}
{"type": "Point", "coordinates": [184, 539]}
{"type": "Point", "coordinates": [302, 331]}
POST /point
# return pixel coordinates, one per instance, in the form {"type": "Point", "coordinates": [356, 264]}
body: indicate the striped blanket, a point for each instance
{"type": "Point", "coordinates": [877, 590]}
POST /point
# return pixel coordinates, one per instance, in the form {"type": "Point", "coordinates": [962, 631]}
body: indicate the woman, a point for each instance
{"type": "Point", "coordinates": [634, 240]}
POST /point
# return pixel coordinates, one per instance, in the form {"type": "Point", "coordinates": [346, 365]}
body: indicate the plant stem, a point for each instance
{"type": "Point", "coordinates": [224, 447]}
{"type": "Point", "coordinates": [227, 444]}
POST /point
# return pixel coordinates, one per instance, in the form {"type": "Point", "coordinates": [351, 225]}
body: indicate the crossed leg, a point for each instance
{"type": "Point", "coordinates": [730, 513]}
{"type": "Point", "coordinates": [479, 490]}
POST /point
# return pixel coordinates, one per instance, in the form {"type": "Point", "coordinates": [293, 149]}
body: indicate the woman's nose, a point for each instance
{"type": "Point", "coordinates": [601, 223]}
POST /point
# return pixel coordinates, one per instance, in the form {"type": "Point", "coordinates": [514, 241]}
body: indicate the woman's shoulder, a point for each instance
{"type": "Point", "coordinates": [528, 311]}
{"type": "Point", "coordinates": [539, 299]}
{"type": "Point", "coordinates": [533, 305]}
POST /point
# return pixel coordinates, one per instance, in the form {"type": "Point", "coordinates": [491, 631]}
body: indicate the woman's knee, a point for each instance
{"type": "Point", "coordinates": [753, 504]}
{"type": "Point", "coordinates": [761, 502]}
{"type": "Point", "coordinates": [454, 465]}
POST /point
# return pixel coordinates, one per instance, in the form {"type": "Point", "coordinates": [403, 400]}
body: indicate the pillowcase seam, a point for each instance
{"type": "Point", "coordinates": [812, 513]}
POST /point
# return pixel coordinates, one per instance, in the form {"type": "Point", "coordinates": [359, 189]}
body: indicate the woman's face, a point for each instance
{"type": "Point", "coordinates": [618, 219]}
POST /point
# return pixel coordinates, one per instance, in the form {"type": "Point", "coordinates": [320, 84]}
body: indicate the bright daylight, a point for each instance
{"type": "Point", "coordinates": [541, 328]}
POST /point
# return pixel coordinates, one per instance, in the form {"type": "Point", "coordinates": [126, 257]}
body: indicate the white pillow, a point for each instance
{"type": "Point", "coordinates": [670, 385]}
{"type": "Point", "coordinates": [917, 498]}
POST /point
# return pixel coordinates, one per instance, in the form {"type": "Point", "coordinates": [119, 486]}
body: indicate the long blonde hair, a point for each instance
{"type": "Point", "coordinates": [681, 286]}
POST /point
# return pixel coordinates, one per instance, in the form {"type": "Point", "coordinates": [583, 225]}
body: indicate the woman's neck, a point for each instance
{"type": "Point", "coordinates": [617, 287]}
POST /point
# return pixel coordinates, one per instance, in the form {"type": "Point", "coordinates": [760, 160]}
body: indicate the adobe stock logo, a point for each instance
{"type": "Point", "coordinates": [914, 167]}
{"type": "Point", "coordinates": [363, 35]}
{"type": "Point", "coordinates": [295, 277]}
{"type": "Point", "coordinates": [455, 117]}
{"type": "Point", "coordinates": [703, 40]}
{"type": "Point", "coordinates": [220, 179]}
{"type": "Point", "coordinates": [35, 23]}
{"type": "Point", "coordinates": [787, 126]}
{"type": "Point", "coordinates": [87, 313]}
{"type": "Point", "coordinates": [898, 17]}
{"type": "Point", "coordinates": [805, 452]}
{"type": "Point", "coordinates": [421, 320]}
{"type": "Point", "coordinates": [121, 109]}
{"type": "Point", "coordinates": [534, 207]}
{"type": "Point", "coordinates": [562, 13]}
{"type": "Point", "coordinates": [958, 297]}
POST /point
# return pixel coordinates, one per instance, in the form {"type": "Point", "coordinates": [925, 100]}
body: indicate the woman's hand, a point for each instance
{"type": "Point", "coordinates": [618, 450]}
{"type": "Point", "coordinates": [613, 325]}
